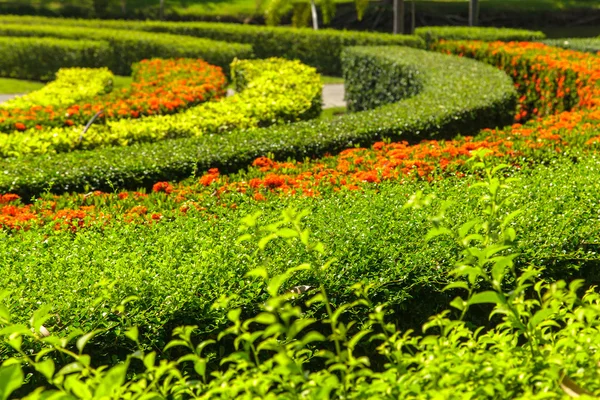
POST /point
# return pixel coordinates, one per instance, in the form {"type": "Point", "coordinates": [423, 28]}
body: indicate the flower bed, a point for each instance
{"type": "Point", "coordinates": [269, 92]}
{"type": "Point", "coordinates": [458, 96]}
{"type": "Point", "coordinates": [70, 86]}
{"type": "Point", "coordinates": [159, 87]}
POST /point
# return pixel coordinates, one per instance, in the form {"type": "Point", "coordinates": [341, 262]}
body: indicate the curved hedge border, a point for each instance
{"type": "Point", "coordinates": [159, 87]}
{"type": "Point", "coordinates": [40, 58]}
{"type": "Point", "coordinates": [549, 80]}
{"type": "Point", "coordinates": [589, 45]}
{"type": "Point", "coordinates": [434, 33]}
{"type": "Point", "coordinates": [70, 86]}
{"type": "Point", "coordinates": [128, 47]}
{"type": "Point", "coordinates": [320, 49]}
{"type": "Point", "coordinates": [458, 96]}
{"type": "Point", "coordinates": [270, 91]}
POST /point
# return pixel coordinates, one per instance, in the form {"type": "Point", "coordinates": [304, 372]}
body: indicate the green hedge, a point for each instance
{"type": "Point", "coordinates": [40, 58]}
{"type": "Point", "coordinates": [130, 46]}
{"type": "Point", "coordinates": [320, 49]}
{"type": "Point", "coordinates": [372, 79]}
{"type": "Point", "coordinates": [590, 45]}
{"type": "Point", "coordinates": [458, 96]}
{"type": "Point", "coordinates": [434, 33]}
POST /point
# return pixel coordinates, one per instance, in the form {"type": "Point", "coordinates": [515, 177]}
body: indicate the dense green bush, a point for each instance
{"type": "Point", "coordinates": [41, 58]}
{"type": "Point", "coordinates": [373, 78]}
{"type": "Point", "coordinates": [130, 46]}
{"type": "Point", "coordinates": [178, 268]}
{"type": "Point", "coordinates": [458, 96]}
{"type": "Point", "coordinates": [320, 49]}
{"type": "Point", "coordinates": [434, 33]}
{"type": "Point", "coordinates": [590, 45]}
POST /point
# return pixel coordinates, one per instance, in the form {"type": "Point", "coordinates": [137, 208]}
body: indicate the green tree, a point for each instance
{"type": "Point", "coordinates": [275, 9]}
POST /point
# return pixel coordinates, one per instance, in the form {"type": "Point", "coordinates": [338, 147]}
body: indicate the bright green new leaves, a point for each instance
{"type": "Point", "coordinates": [71, 85]}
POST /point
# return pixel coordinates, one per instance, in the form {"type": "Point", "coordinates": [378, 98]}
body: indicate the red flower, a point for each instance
{"type": "Point", "coordinates": [20, 126]}
{"type": "Point", "coordinates": [162, 187]}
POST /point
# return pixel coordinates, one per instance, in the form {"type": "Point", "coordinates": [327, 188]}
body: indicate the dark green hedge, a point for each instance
{"type": "Point", "coordinates": [434, 33]}
{"type": "Point", "coordinates": [372, 79]}
{"type": "Point", "coordinates": [459, 95]}
{"type": "Point", "coordinates": [41, 58]}
{"type": "Point", "coordinates": [130, 46]}
{"type": "Point", "coordinates": [590, 45]}
{"type": "Point", "coordinates": [320, 49]}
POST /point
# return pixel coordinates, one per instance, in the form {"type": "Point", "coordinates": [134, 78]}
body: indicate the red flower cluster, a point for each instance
{"type": "Point", "coordinates": [159, 87]}
{"type": "Point", "coordinates": [549, 79]}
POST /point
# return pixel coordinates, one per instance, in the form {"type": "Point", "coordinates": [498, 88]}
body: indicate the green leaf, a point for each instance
{"type": "Point", "coordinates": [114, 379]}
{"type": "Point", "coordinates": [456, 285]}
{"type": "Point", "coordinates": [4, 314]}
{"type": "Point", "coordinates": [82, 341]}
{"type": "Point", "coordinates": [46, 368]}
{"type": "Point", "coordinates": [486, 297]}
{"type": "Point", "coordinates": [11, 378]}
{"type": "Point", "coordinates": [132, 333]}
{"type": "Point", "coordinates": [539, 317]}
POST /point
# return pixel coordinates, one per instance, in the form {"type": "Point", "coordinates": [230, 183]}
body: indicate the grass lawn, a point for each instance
{"type": "Point", "coordinates": [10, 86]}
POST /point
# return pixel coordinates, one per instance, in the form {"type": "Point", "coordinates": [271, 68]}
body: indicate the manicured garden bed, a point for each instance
{"type": "Point", "coordinates": [425, 244]}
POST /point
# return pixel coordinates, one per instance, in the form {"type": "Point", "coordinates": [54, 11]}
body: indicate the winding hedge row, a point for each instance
{"type": "Point", "coordinates": [127, 46]}
{"type": "Point", "coordinates": [320, 49]}
{"type": "Point", "coordinates": [40, 58]}
{"type": "Point", "coordinates": [434, 33]}
{"type": "Point", "coordinates": [268, 92]}
{"type": "Point", "coordinates": [458, 96]}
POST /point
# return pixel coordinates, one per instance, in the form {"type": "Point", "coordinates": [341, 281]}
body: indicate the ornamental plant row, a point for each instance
{"type": "Point", "coordinates": [272, 91]}
{"type": "Point", "coordinates": [458, 96]}
{"type": "Point", "coordinates": [159, 87]}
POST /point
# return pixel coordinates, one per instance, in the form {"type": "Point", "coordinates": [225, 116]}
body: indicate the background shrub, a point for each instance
{"type": "Point", "coordinates": [129, 46]}
{"type": "Point", "coordinates": [434, 33]}
{"type": "Point", "coordinates": [320, 49]}
{"type": "Point", "coordinates": [41, 58]}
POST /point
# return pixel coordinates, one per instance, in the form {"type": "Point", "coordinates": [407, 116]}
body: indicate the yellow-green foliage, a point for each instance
{"type": "Point", "coordinates": [70, 86]}
{"type": "Point", "coordinates": [270, 91]}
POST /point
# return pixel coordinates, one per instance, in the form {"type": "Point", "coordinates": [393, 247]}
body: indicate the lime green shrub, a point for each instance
{"type": "Point", "coordinates": [271, 91]}
{"type": "Point", "coordinates": [128, 47]}
{"type": "Point", "coordinates": [320, 49]}
{"type": "Point", "coordinates": [435, 33]}
{"type": "Point", "coordinates": [70, 86]}
{"type": "Point", "coordinates": [40, 58]}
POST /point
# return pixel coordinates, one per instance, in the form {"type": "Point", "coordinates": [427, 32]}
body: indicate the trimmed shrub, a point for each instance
{"type": "Point", "coordinates": [372, 79]}
{"type": "Point", "coordinates": [434, 33]}
{"type": "Point", "coordinates": [71, 85]}
{"type": "Point", "coordinates": [40, 58]}
{"type": "Point", "coordinates": [589, 45]}
{"type": "Point", "coordinates": [320, 49]}
{"type": "Point", "coordinates": [458, 96]}
{"type": "Point", "coordinates": [549, 79]}
{"type": "Point", "coordinates": [130, 46]}
{"type": "Point", "coordinates": [271, 91]}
